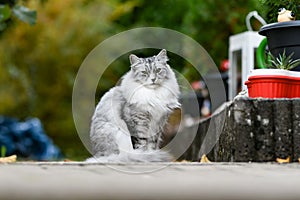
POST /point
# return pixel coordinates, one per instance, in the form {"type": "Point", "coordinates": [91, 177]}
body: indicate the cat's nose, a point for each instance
{"type": "Point", "coordinates": [153, 80]}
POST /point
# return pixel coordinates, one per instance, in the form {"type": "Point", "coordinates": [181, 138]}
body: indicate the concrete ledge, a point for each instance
{"type": "Point", "coordinates": [211, 181]}
{"type": "Point", "coordinates": [251, 130]}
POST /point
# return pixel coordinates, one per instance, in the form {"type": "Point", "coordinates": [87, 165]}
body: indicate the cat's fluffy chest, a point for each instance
{"type": "Point", "coordinates": [159, 99]}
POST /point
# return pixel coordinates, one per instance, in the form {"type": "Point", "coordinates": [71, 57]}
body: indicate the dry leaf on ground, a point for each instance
{"type": "Point", "coordinates": [8, 159]}
{"type": "Point", "coordinates": [280, 160]}
{"type": "Point", "coordinates": [204, 159]}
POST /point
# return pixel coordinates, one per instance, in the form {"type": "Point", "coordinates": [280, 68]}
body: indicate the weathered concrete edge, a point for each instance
{"type": "Point", "coordinates": [249, 133]}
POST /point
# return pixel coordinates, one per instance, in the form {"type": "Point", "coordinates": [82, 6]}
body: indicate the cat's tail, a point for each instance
{"type": "Point", "coordinates": [134, 156]}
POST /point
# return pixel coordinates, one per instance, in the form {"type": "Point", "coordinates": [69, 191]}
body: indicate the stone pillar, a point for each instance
{"type": "Point", "coordinates": [296, 129]}
{"type": "Point", "coordinates": [264, 129]}
{"type": "Point", "coordinates": [244, 145]}
{"type": "Point", "coordinates": [283, 128]}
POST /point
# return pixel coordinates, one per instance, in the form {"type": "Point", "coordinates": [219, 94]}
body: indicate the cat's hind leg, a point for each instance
{"type": "Point", "coordinates": [103, 144]}
{"type": "Point", "coordinates": [107, 139]}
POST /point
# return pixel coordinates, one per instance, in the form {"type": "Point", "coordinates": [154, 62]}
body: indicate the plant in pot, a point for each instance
{"type": "Point", "coordinates": [277, 81]}
{"type": "Point", "coordinates": [283, 41]}
{"type": "Point", "coordinates": [282, 36]}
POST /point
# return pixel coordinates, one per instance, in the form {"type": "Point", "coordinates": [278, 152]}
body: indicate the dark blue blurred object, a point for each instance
{"type": "Point", "coordinates": [27, 139]}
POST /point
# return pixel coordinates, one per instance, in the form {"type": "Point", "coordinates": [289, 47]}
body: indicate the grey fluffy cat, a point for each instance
{"type": "Point", "coordinates": [128, 122]}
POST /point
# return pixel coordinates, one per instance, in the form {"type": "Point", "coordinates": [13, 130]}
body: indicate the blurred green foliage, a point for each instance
{"type": "Point", "coordinates": [10, 9]}
{"type": "Point", "coordinates": [272, 7]}
{"type": "Point", "coordinates": [210, 22]}
{"type": "Point", "coordinates": [38, 64]}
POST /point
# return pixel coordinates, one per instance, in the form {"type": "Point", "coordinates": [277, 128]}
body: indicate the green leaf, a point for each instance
{"type": "Point", "coordinates": [3, 26]}
{"type": "Point", "coordinates": [5, 12]}
{"type": "Point", "coordinates": [294, 63]}
{"type": "Point", "coordinates": [3, 151]}
{"type": "Point", "coordinates": [24, 14]}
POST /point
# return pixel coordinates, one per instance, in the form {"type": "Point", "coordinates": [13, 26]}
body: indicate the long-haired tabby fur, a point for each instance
{"type": "Point", "coordinates": [128, 122]}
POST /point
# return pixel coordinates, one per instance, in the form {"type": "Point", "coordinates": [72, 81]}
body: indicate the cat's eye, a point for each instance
{"type": "Point", "coordinates": [144, 73]}
{"type": "Point", "coordinates": [158, 70]}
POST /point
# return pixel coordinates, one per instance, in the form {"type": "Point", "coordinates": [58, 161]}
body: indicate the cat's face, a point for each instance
{"type": "Point", "coordinates": [150, 72]}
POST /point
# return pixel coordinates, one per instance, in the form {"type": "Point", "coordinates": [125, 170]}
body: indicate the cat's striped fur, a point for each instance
{"type": "Point", "coordinates": [129, 120]}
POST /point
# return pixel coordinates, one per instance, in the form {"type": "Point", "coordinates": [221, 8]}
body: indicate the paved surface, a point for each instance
{"type": "Point", "coordinates": [152, 181]}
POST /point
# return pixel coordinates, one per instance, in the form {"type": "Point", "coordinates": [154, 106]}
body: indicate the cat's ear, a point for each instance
{"type": "Point", "coordinates": [133, 59]}
{"type": "Point", "coordinates": [162, 56]}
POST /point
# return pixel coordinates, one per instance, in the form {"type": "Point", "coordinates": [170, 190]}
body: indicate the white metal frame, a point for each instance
{"type": "Point", "coordinates": [246, 42]}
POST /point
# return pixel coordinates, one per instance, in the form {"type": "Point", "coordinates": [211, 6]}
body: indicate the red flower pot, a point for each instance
{"type": "Point", "coordinates": [273, 83]}
{"type": "Point", "coordinates": [294, 88]}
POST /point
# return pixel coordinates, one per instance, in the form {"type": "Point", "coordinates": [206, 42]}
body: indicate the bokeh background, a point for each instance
{"type": "Point", "coordinates": [38, 63]}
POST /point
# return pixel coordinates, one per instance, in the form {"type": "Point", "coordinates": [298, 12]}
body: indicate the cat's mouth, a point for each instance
{"type": "Point", "coordinates": [152, 85]}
